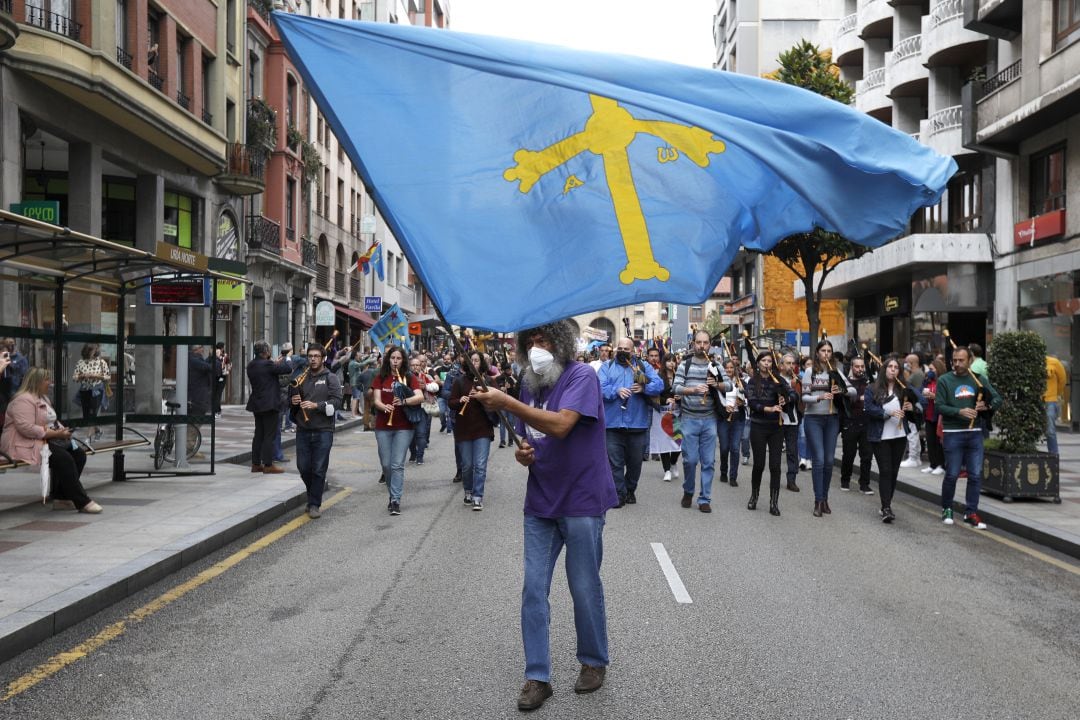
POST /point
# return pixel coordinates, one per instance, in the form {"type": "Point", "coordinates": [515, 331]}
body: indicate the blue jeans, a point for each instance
{"type": "Point", "coordinates": [279, 454]}
{"type": "Point", "coordinates": [1052, 411]}
{"type": "Point", "coordinates": [584, 541]}
{"type": "Point", "coordinates": [421, 437]}
{"type": "Point", "coordinates": [504, 434]}
{"type": "Point", "coordinates": [963, 448]}
{"type": "Point", "coordinates": [821, 434]}
{"type": "Point", "coordinates": [444, 417]}
{"type": "Point", "coordinates": [625, 448]}
{"type": "Point", "coordinates": [393, 444]}
{"type": "Point", "coordinates": [746, 439]}
{"type": "Point", "coordinates": [312, 458]}
{"type": "Point", "coordinates": [286, 420]}
{"type": "Point", "coordinates": [698, 447]}
{"type": "Point", "coordinates": [803, 452]}
{"type": "Point", "coordinates": [474, 460]}
{"type": "Point", "coordinates": [730, 433]}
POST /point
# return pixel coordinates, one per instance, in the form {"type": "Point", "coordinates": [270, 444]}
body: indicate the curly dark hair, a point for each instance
{"type": "Point", "coordinates": [384, 369]}
{"type": "Point", "coordinates": [559, 333]}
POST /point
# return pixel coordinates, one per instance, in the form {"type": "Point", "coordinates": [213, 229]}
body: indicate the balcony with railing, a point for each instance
{"type": "Point", "coordinates": [942, 131]}
{"type": "Point", "coordinates": [875, 19]}
{"type": "Point", "coordinates": [847, 45]}
{"type": "Point", "coordinates": [997, 18]}
{"type": "Point", "coordinates": [154, 79]}
{"type": "Point", "coordinates": [244, 173]}
{"type": "Point", "coordinates": [309, 254]}
{"type": "Point", "coordinates": [53, 22]}
{"type": "Point", "coordinates": [907, 75]}
{"type": "Point", "coordinates": [870, 92]}
{"type": "Point", "coordinates": [997, 117]}
{"type": "Point", "coordinates": [263, 234]}
{"type": "Point", "coordinates": [322, 277]}
{"type": "Point", "coordinates": [9, 29]}
{"type": "Point", "coordinates": [946, 41]}
{"type": "Point", "coordinates": [183, 100]}
{"type": "Point", "coordinates": [123, 57]}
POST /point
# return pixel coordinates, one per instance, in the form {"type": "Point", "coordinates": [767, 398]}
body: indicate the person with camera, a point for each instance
{"type": "Point", "coordinates": [33, 435]}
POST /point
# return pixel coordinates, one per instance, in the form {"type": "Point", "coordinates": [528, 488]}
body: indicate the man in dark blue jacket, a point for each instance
{"type": "Point", "coordinates": [265, 403]}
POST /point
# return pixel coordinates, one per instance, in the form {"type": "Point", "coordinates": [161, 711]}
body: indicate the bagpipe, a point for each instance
{"type": "Point", "coordinates": [751, 351]}
{"type": "Point", "coordinates": [907, 393]}
{"type": "Point", "coordinates": [839, 383]}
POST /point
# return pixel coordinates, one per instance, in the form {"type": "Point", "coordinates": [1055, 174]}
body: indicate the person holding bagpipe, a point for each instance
{"type": "Point", "coordinates": [854, 431]}
{"type": "Point", "coordinates": [825, 394]}
{"type": "Point", "coordinates": [396, 395]}
{"type": "Point", "coordinates": [792, 418]}
{"type": "Point", "coordinates": [767, 395]}
{"type": "Point", "coordinates": [731, 420]}
{"type": "Point", "coordinates": [314, 399]}
{"type": "Point", "coordinates": [963, 398]}
{"type": "Point", "coordinates": [888, 409]}
{"type": "Point", "coordinates": [697, 387]}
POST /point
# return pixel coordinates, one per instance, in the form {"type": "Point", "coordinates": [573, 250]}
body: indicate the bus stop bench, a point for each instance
{"type": "Point", "coordinates": [7, 463]}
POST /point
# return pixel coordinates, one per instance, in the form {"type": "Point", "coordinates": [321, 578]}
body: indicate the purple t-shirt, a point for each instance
{"type": "Point", "coordinates": [571, 477]}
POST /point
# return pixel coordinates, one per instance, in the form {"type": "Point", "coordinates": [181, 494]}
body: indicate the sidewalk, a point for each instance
{"type": "Point", "coordinates": [59, 568]}
{"type": "Point", "coordinates": [1039, 520]}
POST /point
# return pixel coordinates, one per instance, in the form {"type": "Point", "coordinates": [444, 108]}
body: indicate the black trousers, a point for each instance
{"type": "Point", "coordinates": [770, 437]}
{"type": "Point", "coordinates": [65, 468]}
{"type": "Point", "coordinates": [855, 440]}
{"type": "Point", "coordinates": [89, 403]}
{"type": "Point", "coordinates": [219, 389]}
{"type": "Point", "coordinates": [262, 443]}
{"type": "Point", "coordinates": [791, 449]}
{"type": "Point", "coordinates": [669, 459]}
{"type": "Point", "coordinates": [933, 446]}
{"type": "Point", "coordinates": [889, 454]}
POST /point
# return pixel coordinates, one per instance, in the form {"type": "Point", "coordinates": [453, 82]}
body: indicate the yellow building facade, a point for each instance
{"type": "Point", "coordinates": [783, 312]}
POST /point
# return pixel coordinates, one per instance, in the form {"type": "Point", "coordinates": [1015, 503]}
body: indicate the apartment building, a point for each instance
{"type": "Point", "coordinates": [910, 62]}
{"type": "Point", "coordinates": [749, 36]}
{"type": "Point", "coordinates": [1024, 110]}
{"type": "Point", "coordinates": [123, 115]}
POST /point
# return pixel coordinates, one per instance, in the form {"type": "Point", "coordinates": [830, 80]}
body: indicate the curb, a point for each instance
{"type": "Point", "coordinates": [35, 624]}
{"type": "Point", "coordinates": [1059, 540]}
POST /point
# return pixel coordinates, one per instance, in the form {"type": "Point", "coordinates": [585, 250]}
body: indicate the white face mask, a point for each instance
{"type": "Point", "coordinates": [540, 359]}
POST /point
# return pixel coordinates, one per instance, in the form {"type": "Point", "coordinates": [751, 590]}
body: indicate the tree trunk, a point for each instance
{"type": "Point", "coordinates": [813, 308]}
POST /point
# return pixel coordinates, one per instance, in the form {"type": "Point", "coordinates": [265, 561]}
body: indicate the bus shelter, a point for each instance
{"type": "Point", "coordinates": [65, 295]}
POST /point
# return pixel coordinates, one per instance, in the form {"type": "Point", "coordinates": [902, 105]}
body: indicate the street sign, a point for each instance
{"type": "Point", "coordinates": [324, 314]}
{"type": "Point", "coordinates": [372, 303]}
{"type": "Point", "coordinates": [415, 328]}
{"type": "Point", "coordinates": [730, 319]}
{"type": "Point", "coordinates": [173, 290]}
{"type": "Point", "coordinates": [367, 223]}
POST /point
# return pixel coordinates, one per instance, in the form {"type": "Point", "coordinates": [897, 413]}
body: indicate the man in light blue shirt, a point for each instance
{"type": "Point", "coordinates": [626, 384]}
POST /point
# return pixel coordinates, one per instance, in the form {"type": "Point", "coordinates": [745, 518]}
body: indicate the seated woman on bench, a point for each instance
{"type": "Point", "coordinates": [30, 427]}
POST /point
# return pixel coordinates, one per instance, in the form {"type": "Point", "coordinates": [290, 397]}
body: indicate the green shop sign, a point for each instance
{"type": "Point", "coordinates": [44, 210]}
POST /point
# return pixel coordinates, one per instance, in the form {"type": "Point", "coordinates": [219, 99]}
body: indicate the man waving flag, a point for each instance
{"type": "Point", "coordinates": [527, 183]}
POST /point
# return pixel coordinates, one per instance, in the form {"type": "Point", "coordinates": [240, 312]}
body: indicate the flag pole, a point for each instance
{"type": "Point", "coordinates": [478, 376]}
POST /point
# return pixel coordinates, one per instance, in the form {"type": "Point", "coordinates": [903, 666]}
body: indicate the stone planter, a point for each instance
{"type": "Point", "coordinates": [1009, 475]}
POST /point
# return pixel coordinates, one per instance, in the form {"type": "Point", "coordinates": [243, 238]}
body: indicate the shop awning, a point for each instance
{"type": "Point", "coordinates": [358, 315]}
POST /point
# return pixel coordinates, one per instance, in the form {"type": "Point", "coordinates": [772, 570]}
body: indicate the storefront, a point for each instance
{"type": "Point", "coordinates": [1049, 305]}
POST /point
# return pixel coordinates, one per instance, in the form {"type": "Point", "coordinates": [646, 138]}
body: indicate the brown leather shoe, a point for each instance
{"type": "Point", "coordinates": [687, 499]}
{"type": "Point", "coordinates": [272, 470]}
{"type": "Point", "coordinates": [825, 507]}
{"type": "Point", "coordinates": [705, 507]}
{"type": "Point", "coordinates": [589, 679]}
{"type": "Point", "coordinates": [533, 694]}
{"type": "Point", "coordinates": [256, 468]}
{"type": "Point", "coordinates": [817, 508]}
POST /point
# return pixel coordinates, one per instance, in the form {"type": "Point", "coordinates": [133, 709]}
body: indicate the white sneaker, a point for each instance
{"type": "Point", "coordinates": [938, 471]}
{"type": "Point", "coordinates": [667, 476]}
{"type": "Point", "coordinates": [910, 463]}
{"type": "Point", "coordinates": [675, 473]}
{"type": "Point", "coordinates": [926, 470]}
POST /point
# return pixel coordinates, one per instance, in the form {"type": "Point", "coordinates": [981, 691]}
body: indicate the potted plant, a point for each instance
{"type": "Point", "coordinates": [1012, 467]}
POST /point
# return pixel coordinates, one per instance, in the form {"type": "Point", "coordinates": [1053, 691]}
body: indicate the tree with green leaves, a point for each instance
{"type": "Point", "coordinates": [811, 256]}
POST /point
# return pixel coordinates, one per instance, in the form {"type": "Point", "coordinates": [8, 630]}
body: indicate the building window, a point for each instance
{"type": "Point", "coordinates": [230, 26]}
{"type": "Point", "coordinates": [1066, 22]}
{"type": "Point", "coordinates": [290, 103]}
{"type": "Point", "coordinates": [121, 25]}
{"type": "Point", "coordinates": [254, 91]}
{"type": "Point", "coordinates": [181, 51]}
{"type": "Point", "coordinates": [178, 220]}
{"type": "Point", "coordinates": [341, 203]}
{"type": "Point", "coordinates": [965, 202]}
{"type": "Point", "coordinates": [696, 314]}
{"type": "Point", "coordinates": [290, 204]}
{"type": "Point", "coordinates": [1048, 181]}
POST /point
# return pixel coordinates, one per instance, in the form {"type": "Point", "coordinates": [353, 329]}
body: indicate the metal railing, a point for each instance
{"type": "Point", "coordinates": [946, 10]}
{"type": "Point", "coordinates": [874, 78]}
{"type": "Point", "coordinates": [53, 22]}
{"type": "Point", "coordinates": [123, 57]}
{"type": "Point", "coordinates": [244, 162]}
{"type": "Point", "coordinates": [309, 253]}
{"type": "Point", "coordinates": [339, 283]}
{"type": "Point", "coordinates": [906, 48]}
{"type": "Point", "coordinates": [945, 119]}
{"type": "Point", "coordinates": [322, 277]}
{"type": "Point", "coordinates": [154, 79]}
{"type": "Point", "coordinates": [290, 234]}
{"type": "Point", "coordinates": [1002, 79]}
{"type": "Point", "coordinates": [183, 100]}
{"type": "Point", "coordinates": [207, 117]}
{"type": "Point", "coordinates": [915, 136]}
{"type": "Point", "coordinates": [847, 24]}
{"type": "Point", "coordinates": [263, 234]}
{"type": "Point", "coordinates": [5, 6]}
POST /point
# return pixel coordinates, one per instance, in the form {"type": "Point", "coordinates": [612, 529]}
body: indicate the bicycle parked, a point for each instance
{"type": "Point", "coordinates": [165, 438]}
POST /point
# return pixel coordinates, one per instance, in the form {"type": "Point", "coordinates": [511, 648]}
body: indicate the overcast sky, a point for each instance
{"type": "Point", "coordinates": [675, 30]}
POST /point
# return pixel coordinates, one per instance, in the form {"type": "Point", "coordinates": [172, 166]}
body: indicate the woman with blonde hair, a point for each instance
{"type": "Point", "coordinates": [33, 435]}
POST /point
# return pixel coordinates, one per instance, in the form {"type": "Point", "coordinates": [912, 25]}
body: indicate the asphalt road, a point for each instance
{"type": "Point", "coordinates": [360, 615]}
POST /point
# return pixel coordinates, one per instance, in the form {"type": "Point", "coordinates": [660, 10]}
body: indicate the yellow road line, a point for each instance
{"type": "Point", "coordinates": [1068, 567]}
{"type": "Point", "coordinates": [58, 662]}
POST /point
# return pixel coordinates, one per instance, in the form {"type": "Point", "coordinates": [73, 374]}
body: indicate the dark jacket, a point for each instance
{"type": "Point", "coordinates": [323, 388]}
{"type": "Point", "coordinates": [474, 423]}
{"type": "Point", "coordinates": [875, 413]}
{"type": "Point", "coordinates": [763, 392]}
{"type": "Point", "coordinates": [265, 391]}
{"type": "Point", "coordinates": [200, 380]}
{"type": "Point", "coordinates": [855, 420]}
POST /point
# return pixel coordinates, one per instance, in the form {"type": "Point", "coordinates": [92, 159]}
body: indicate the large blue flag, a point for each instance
{"type": "Point", "coordinates": [391, 329]}
{"type": "Point", "coordinates": [528, 183]}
